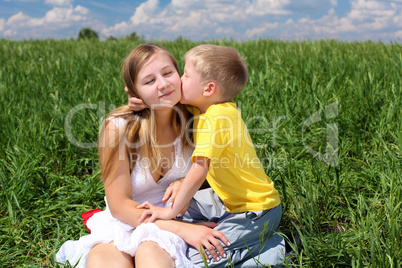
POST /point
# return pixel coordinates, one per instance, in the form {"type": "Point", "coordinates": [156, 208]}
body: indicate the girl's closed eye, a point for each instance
{"type": "Point", "coordinates": [148, 82]}
{"type": "Point", "coordinates": [168, 73]}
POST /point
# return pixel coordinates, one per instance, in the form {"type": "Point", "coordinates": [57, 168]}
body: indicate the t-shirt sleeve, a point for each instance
{"type": "Point", "coordinates": [118, 121]}
{"type": "Point", "coordinates": [213, 136]}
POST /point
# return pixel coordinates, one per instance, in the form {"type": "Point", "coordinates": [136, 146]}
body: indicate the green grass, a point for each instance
{"type": "Point", "coordinates": [347, 213]}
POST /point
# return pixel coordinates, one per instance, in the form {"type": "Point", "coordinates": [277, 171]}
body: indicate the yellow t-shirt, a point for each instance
{"type": "Point", "coordinates": [235, 172]}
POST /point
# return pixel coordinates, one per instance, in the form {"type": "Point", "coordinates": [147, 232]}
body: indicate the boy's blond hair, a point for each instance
{"type": "Point", "coordinates": [221, 64]}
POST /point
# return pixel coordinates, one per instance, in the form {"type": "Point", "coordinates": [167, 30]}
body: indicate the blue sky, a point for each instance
{"type": "Point", "coordinates": [205, 19]}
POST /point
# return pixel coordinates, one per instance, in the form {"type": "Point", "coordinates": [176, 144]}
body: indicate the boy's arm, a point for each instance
{"type": "Point", "coordinates": [192, 182]}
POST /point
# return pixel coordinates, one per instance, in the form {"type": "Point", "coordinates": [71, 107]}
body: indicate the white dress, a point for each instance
{"type": "Point", "coordinates": [104, 228]}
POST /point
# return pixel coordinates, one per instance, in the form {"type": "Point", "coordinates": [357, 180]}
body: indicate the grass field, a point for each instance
{"type": "Point", "coordinates": [325, 117]}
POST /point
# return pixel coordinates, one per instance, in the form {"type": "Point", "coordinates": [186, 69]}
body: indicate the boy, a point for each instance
{"type": "Point", "coordinates": [246, 204]}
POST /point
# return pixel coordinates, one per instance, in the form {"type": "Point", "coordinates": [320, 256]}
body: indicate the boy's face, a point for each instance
{"type": "Point", "coordinates": [192, 89]}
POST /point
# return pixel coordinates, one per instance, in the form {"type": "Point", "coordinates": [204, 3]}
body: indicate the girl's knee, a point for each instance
{"type": "Point", "coordinates": [107, 255]}
{"type": "Point", "coordinates": [148, 247]}
{"type": "Point", "coordinates": [150, 254]}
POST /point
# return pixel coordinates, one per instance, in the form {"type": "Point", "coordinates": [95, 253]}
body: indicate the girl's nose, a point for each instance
{"type": "Point", "coordinates": [163, 83]}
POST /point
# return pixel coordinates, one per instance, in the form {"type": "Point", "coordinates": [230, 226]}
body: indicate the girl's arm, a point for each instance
{"type": "Point", "coordinates": [118, 183]}
{"type": "Point", "coordinates": [118, 194]}
{"type": "Point", "coordinates": [201, 236]}
{"type": "Point", "coordinates": [192, 182]}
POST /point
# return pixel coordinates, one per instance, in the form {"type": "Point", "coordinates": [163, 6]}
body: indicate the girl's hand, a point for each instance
{"type": "Point", "coordinates": [155, 212]}
{"type": "Point", "coordinates": [134, 103]}
{"type": "Point", "coordinates": [203, 237]}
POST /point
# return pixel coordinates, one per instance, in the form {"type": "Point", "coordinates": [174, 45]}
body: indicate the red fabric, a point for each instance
{"type": "Point", "coordinates": [89, 214]}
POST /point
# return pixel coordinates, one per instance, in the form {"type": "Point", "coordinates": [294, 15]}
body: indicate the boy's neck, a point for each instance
{"type": "Point", "coordinates": [208, 101]}
{"type": "Point", "coordinates": [204, 107]}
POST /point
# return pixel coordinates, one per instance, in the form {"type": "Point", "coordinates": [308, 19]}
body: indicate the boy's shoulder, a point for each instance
{"type": "Point", "coordinates": [225, 108]}
{"type": "Point", "coordinates": [223, 115]}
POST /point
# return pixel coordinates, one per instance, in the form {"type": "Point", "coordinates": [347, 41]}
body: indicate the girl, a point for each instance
{"type": "Point", "coordinates": [141, 154]}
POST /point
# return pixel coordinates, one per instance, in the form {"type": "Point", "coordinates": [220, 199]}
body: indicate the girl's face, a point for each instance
{"type": "Point", "coordinates": [158, 82]}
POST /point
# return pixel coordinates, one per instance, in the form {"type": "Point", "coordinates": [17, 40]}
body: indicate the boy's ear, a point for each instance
{"type": "Point", "coordinates": [209, 89]}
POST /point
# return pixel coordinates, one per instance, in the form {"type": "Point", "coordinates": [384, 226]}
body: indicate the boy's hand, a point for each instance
{"type": "Point", "coordinates": [172, 191]}
{"type": "Point", "coordinates": [134, 103]}
{"type": "Point", "coordinates": [155, 212]}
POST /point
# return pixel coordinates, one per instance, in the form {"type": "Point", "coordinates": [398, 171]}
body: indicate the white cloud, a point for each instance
{"type": "Point", "coordinates": [310, 7]}
{"type": "Point", "coordinates": [241, 19]}
{"type": "Point", "coordinates": [21, 25]}
{"type": "Point", "coordinates": [366, 20]}
{"type": "Point", "coordinates": [208, 19]}
{"type": "Point", "coordinates": [258, 31]}
{"type": "Point", "coordinates": [59, 2]}
{"type": "Point", "coordinates": [255, 31]}
{"type": "Point", "coordinates": [198, 19]}
{"type": "Point", "coordinates": [18, 20]}
{"type": "Point", "coordinates": [195, 18]}
{"type": "Point", "coordinates": [2, 24]}
{"type": "Point", "coordinates": [225, 31]}
{"type": "Point", "coordinates": [365, 16]}
{"type": "Point", "coordinates": [238, 19]}
{"type": "Point", "coordinates": [143, 13]}
{"type": "Point", "coordinates": [265, 7]}
{"type": "Point", "coordinates": [63, 17]}
{"type": "Point", "coordinates": [363, 10]}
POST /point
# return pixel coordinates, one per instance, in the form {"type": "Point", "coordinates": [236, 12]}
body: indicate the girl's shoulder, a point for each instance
{"type": "Point", "coordinates": [119, 116]}
{"type": "Point", "coordinates": [119, 122]}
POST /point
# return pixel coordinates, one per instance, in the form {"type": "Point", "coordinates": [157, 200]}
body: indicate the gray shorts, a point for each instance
{"type": "Point", "coordinates": [254, 237]}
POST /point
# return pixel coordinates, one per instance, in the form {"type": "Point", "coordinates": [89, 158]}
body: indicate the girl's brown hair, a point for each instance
{"type": "Point", "coordinates": [140, 130]}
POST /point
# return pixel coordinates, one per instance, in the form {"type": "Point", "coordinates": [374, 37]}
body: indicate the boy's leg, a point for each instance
{"type": "Point", "coordinates": [272, 252]}
{"type": "Point", "coordinates": [242, 229]}
{"type": "Point", "coordinates": [204, 206]}
{"type": "Point", "coordinates": [249, 234]}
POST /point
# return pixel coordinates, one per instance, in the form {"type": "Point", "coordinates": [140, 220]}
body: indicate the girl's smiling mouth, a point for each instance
{"type": "Point", "coordinates": [167, 94]}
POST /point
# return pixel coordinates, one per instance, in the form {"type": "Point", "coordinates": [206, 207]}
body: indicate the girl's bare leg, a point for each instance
{"type": "Point", "coordinates": [108, 256]}
{"type": "Point", "coordinates": [149, 254]}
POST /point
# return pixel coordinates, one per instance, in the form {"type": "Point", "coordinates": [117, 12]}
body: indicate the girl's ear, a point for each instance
{"type": "Point", "coordinates": [210, 89]}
